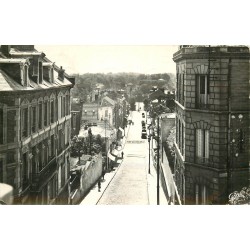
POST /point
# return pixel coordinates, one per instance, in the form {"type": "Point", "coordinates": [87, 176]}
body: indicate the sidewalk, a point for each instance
{"type": "Point", "coordinates": [152, 185]}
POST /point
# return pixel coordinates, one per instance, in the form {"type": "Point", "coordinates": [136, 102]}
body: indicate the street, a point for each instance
{"type": "Point", "coordinates": [132, 185]}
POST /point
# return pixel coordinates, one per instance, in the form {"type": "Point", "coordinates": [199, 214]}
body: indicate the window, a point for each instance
{"type": "Point", "coordinates": [33, 160]}
{"type": "Point", "coordinates": [40, 76]}
{"type": "Point", "coordinates": [33, 121]}
{"type": "Point", "coordinates": [45, 114]}
{"type": "Point", "coordinates": [10, 157]}
{"type": "Point", "coordinates": [106, 113]}
{"type": "Point", "coordinates": [59, 107]}
{"type": "Point", "coordinates": [45, 149]}
{"type": "Point", "coordinates": [180, 88]}
{"type": "Point", "coordinates": [202, 146]}
{"type": "Point", "coordinates": [202, 91]}
{"type": "Point", "coordinates": [26, 76]}
{"type": "Point", "coordinates": [40, 118]}
{"type": "Point", "coordinates": [182, 139]}
{"type": "Point", "coordinates": [61, 140]}
{"type": "Point", "coordinates": [40, 157]}
{"type": "Point", "coordinates": [52, 75]}
{"type": "Point", "coordinates": [52, 115]}
{"type": "Point", "coordinates": [200, 194]}
{"type": "Point", "coordinates": [25, 122]}
{"type": "Point", "coordinates": [67, 105]}
{"type": "Point", "coordinates": [179, 132]}
{"type": "Point", "coordinates": [1, 126]}
{"type": "Point", "coordinates": [52, 139]}
{"type": "Point", "coordinates": [63, 106]}
{"type": "Point", "coordinates": [63, 174]}
{"type": "Point", "coordinates": [11, 124]}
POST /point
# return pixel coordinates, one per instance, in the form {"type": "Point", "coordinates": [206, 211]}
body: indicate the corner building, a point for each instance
{"type": "Point", "coordinates": [212, 122]}
{"type": "Point", "coordinates": [34, 126]}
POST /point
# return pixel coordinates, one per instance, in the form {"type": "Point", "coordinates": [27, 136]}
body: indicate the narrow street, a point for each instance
{"type": "Point", "coordinates": [129, 185]}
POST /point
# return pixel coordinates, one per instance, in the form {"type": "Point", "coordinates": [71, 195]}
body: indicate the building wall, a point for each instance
{"type": "Point", "coordinates": [106, 113]}
{"type": "Point", "coordinates": [222, 172]}
{"type": "Point", "coordinates": [26, 156]}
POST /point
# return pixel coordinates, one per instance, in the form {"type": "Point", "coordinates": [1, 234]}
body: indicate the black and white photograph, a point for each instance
{"type": "Point", "coordinates": [126, 122]}
{"type": "Point", "coordinates": [171, 138]}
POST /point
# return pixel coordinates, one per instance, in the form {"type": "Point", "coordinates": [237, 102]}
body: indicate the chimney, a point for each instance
{"type": "Point", "coordinates": [61, 74]}
{"type": "Point", "coordinates": [5, 49]}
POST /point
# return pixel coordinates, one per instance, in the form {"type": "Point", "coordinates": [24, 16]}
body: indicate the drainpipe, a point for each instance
{"type": "Point", "coordinates": [229, 167]}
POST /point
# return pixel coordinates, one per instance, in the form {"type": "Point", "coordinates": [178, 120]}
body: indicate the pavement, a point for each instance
{"type": "Point", "coordinates": [129, 183]}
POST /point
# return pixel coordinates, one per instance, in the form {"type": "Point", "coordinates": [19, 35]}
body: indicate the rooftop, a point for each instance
{"type": "Point", "coordinates": [198, 51]}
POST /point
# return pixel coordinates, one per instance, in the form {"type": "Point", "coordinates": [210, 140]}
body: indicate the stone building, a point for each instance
{"type": "Point", "coordinates": [212, 122]}
{"type": "Point", "coordinates": [34, 126]}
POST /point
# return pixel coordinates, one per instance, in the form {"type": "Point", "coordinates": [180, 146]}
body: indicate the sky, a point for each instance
{"type": "Point", "coordinates": [147, 59]}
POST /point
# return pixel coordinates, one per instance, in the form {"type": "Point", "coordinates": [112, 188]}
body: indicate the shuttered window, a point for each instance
{"type": "Point", "coordinates": [202, 91]}
{"type": "Point", "coordinates": [202, 144]}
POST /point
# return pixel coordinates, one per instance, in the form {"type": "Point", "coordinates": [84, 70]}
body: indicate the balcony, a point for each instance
{"type": "Point", "coordinates": [41, 178]}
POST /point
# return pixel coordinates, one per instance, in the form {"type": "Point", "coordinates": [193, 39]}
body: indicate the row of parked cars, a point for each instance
{"type": "Point", "coordinates": [144, 131]}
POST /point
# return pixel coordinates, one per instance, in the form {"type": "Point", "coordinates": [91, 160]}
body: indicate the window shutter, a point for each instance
{"type": "Point", "coordinates": [202, 84]}
{"type": "Point", "coordinates": [198, 143]}
{"type": "Point", "coordinates": [206, 144]}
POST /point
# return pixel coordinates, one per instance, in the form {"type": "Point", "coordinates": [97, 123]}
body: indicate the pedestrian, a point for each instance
{"type": "Point", "coordinates": [122, 154]}
{"type": "Point", "coordinates": [99, 185]}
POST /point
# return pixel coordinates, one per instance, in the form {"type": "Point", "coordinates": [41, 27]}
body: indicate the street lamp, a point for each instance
{"type": "Point", "coordinates": [158, 161]}
{"type": "Point", "coordinates": [155, 112]}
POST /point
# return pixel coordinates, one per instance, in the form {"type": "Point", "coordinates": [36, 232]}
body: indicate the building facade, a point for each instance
{"type": "Point", "coordinates": [212, 122]}
{"type": "Point", "coordinates": [35, 124]}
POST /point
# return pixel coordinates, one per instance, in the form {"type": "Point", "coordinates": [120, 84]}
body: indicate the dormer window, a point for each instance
{"type": "Point", "coordinates": [40, 77]}
{"type": "Point", "coordinates": [48, 72]}
{"type": "Point", "coordinates": [26, 76]}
